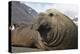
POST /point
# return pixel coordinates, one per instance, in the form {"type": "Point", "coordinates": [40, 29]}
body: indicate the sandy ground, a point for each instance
{"type": "Point", "coordinates": [24, 49]}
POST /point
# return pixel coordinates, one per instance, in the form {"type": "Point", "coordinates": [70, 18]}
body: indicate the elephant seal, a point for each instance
{"type": "Point", "coordinates": [57, 30]}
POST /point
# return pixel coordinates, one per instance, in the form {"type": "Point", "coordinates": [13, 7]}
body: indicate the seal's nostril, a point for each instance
{"type": "Point", "coordinates": [51, 14]}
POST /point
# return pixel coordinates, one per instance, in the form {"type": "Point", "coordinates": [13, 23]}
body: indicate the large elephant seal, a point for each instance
{"type": "Point", "coordinates": [57, 30]}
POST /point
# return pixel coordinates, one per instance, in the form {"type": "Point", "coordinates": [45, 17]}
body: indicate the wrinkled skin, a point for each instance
{"type": "Point", "coordinates": [57, 30]}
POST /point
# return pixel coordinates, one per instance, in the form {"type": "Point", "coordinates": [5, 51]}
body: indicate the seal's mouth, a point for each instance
{"type": "Point", "coordinates": [43, 30]}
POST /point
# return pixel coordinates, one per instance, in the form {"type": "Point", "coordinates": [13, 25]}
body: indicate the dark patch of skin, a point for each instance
{"type": "Point", "coordinates": [51, 14]}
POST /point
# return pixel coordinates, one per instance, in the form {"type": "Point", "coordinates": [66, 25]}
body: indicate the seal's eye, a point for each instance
{"type": "Point", "coordinates": [51, 14]}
